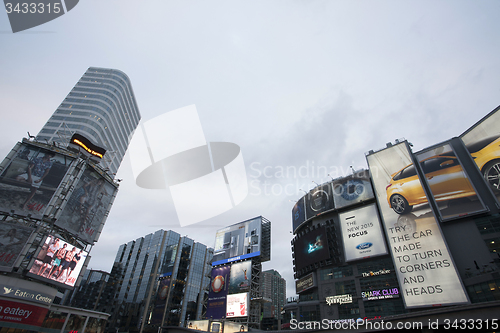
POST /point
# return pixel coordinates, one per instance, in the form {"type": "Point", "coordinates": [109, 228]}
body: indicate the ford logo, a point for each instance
{"type": "Point", "coordinates": [363, 246]}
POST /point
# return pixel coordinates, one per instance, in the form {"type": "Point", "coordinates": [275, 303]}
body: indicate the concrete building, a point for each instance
{"type": "Point", "coordinates": [273, 287]}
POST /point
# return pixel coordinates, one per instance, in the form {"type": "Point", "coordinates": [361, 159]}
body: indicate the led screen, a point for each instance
{"type": "Point", "coordinates": [311, 248]}
{"type": "Point", "coordinates": [240, 277]}
{"type": "Point", "coordinates": [58, 261]}
{"type": "Point", "coordinates": [241, 239]}
{"type": "Point", "coordinates": [298, 214]}
{"type": "Point", "coordinates": [87, 206]}
{"type": "Point", "coordinates": [237, 305]}
{"type": "Point", "coordinates": [362, 233]}
{"type": "Point", "coordinates": [352, 190]}
{"type": "Point", "coordinates": [319, 200]}
{"type": "Point", "coordinates": [13, 238]}
{"type": "Point", "coordinates": [29, 181]}
{"type": "Point", "coordinates": [425, 270]}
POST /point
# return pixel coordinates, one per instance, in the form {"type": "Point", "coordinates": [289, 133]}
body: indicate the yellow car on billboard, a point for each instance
{"type": "Point", "coordinates": [486, 154]}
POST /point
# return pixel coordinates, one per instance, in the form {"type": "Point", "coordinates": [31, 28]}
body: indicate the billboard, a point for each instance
{"type": "Point", "coordinates": [29, 181]}
{"type": "Point", "coordinates": [58, 261]}
{"type": "Point", "coordinates": [88, 206]}
{"type": "Point", "coordinates": [237, 305]}
{"type": "Point", "coordinates": [310, 248]}
{"type": "Point", "coordinates": [216, 304]}
{"type": "Point", "coordinates": [352, 190]}
{"type": "Point", "coordinates": [362, 233]}
{"type": "Point", "coordinates": [305, 283]}
{"type": "Point", "coordinates": [298, 213]}
{"type": "Point", "coordinates": [241, 277]}
{"type": "Point", "coordinates": [483, 143]}
{"type": "Point", "coordinates": [449, 184]}
{"type": "Point", "coordinates": [319, 200]}
{"type": "Point", "coordinates": [13, 238]}
{"type": "Point", "coordinates": [375, 295]}
{"type": "Point", "coordinates": [22, 313]}
{"type": "Point", "coordinates": [242, 239]}
{"type": "Point", "coordinates": [425, 270]}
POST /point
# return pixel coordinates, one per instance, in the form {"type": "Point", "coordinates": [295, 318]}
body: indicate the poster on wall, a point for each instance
{"type": "Point", "coordinates": [237, 305]}
{"type": "Point", "coordinates": [240, 277]}
{"type": "Point", "coordinates": [362, 233]}
{"type": "Point", "coordinates": [13, 238]}
{"type": "Point", "coordinates": [219, 285]}
{"type": "Point", "coordinates": [29, 181]}
{"type": "Point", "coordinates": [425, 270]}
{"type": "Point", "coordinates": [87, 206]}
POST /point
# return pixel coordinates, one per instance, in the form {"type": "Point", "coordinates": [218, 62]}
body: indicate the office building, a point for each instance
{"type": "Point", "coordinates": [273, 288]}
{"type": "Point", "coordinates": [163, 279]}
{"type": "Point", "coordinates": [102, 108]}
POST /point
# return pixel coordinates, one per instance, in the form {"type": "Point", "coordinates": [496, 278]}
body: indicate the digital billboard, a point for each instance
{"type": "Point", "coordinates": [219, 285]}
{"type": "Point", "coordinates": [352, 189]}
{"type": "Point", "coordinates": [58, 261]}
{"type": "Point", "coordinates": [451, 188]}
{"type": "Point", "coordinates": [362, 233]}
{"type": "Point", "coordinates": [241, 277]}
{"type": "Point", "coordinates": [237, 305]}
{"type": "Point", "coordinates": [426, 273]}
{"type": "Point", "coordinates": [311, 248]}
{"type": "Point", "coordinates": [298, 213]}
{"type": "Point", "coordinates": [160, 301]}
{"type": "Point", "coordinates": [13, 238]}
{"type": "Point", "coordinates": [483, 143]}
{"type": "Point", "coordinates": [88, 206]}
{"type": "Point", "coordinates": [319, 200]}
{"type": "Point", "coordinates": [22, 313]}
{"type": "Point", "coordinates": [242, 239]}
{"type": "Point", "coordinates": [29, 181]}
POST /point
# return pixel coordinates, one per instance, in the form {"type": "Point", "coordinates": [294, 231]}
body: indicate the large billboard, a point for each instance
{"type": "Point", "coordinates": [29, 181]}
{"type": "Point", "coordinates": [362, 233]}
{"type": "Point", "coordinates": [58, 261]}
{"type": "Point", "coordinates": [237, 305]}
{"type": "Point", "coordinates": [298, 213]}
{"type": "Point", "coordinates": [311, 248]}
{"type": "Point", "coordinates": [88, 206]}
{"type": "Point", "coordinates": [352, 189]}
{"type": "Point", "coordinates": [239, 240]}
{"type": "Point", "coordinates": [13, 238]}
{"type": "Point", "coordinates": [425, 270]}
{"type": "Point", "coordinates": [449, 184]}
{"type": "Point", "coordinates": [216, 305]}
{"type": "Point", "coordinates": [241, 277]}
{"type": "Point", "coordinates": [319, 200]}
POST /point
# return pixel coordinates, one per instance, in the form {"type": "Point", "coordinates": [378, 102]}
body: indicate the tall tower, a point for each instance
{"type": "Point", "coordinates": [101, 107]}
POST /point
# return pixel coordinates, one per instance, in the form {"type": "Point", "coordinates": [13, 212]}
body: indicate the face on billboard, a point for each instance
{"type": "Point", "coordinates": [362, 233]}
{"type": "Point", "coordinates": [240, 277]}
{"type": "Point", "coordinates": [87, 206]}
{"type": "Point", "coordinates": [311, 248]}
{"type": "Point", "coordinates": [58, 261]}
{"type": "Point", "coordinates": [13, 238]}
{"type": "Point", "coordinates": [29, 181]}
{"type": "Point", "coordinates": [237, 240]}
{"type": "Point", "coordinates": [448, 183]}
{"type": "Point", "coordinates": [351, 190]}
{"type": "Point", "coordinates": [425, 270]}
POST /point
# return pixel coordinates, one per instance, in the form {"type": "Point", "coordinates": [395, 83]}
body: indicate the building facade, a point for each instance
{"type": "Point", "coordinates": [101, 107]}
{"type": "Point", "coordinates": [160, 279]}
{"type": "Point", "coordinates": [273, 287]}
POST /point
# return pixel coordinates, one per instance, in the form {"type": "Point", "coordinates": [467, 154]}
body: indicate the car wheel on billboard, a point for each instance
{"type": "Point", "coordinates": [491, 173]}
{"type": "Point", "coordinates": [400, 205]}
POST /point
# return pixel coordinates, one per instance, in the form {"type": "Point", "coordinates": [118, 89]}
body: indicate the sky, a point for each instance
{"type": "Point", "coordinates": [305, 88]}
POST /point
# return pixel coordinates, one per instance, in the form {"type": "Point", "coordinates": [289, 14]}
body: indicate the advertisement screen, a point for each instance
{"type": "Point", "coordinates": [449, 185]}
{"type": "Point", "coordinates": [311, 248]}
{"type": "Point", "coordinates": [298, 213]}
{"type": "Point", "coordinates": [87, 206]}
{"type": "Point", "coordinates": [29, 181]}
{"type": "Point", "coordinates": [352, 190]}
{"type": "Point", "coordinates": [240, 277]}
{"type": "Point", "coordinates": [319, 200]}
{"type": "Point", "coordinates": [13, 238]}
{"type": "Point", "coordinates": [237, 305]}
{"type": "Point", "coordinates": [240, 239]}
{"type": "Point", "coordinates": [305, 283]}
{"type": "Point", "coordinates": [21, 313]}
{"type": "Point", "coordinates": [483, 143]}
{"type": "Point", "coordinates": [219, 285]}
{"type": "Point", "coordinates": [58, 261]}
{"type": "Point", "coordinates": [362, 233]}
{"type": "Point", "coordinates": [425, 270]}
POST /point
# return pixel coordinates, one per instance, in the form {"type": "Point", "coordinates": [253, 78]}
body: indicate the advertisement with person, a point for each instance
{"type": "Point", "coordinates": [29, 181]}
{"type": "Point", "coordinates": [311, 248]}
{"type": "Point", "coordinates": [241, 239]}
{"type": "Point", "coordinates": [451, 188]}
{"type": "Point", "coordinates": [425, 270]}
{"type": "Point", "coordinates": [352, 189]}
{"type": "Point", "coordinates": [13, 238]}
{"type": "Point", "coordinates": [483, 143]}
{"type": "Point", "coordinates": [58, 261]}
{"type": "Point", "coordinates": [362, 233]}
{"type": "Point", "coordinates": [240, 277]}
{"type": "Point", "coordinates": [87, 206]}
{"type": "Point", "coordinates": [219, 285]}
{"type": "Point", "coordinates": [237, 305]}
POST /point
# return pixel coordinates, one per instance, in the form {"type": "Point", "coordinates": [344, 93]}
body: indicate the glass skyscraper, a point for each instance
{"type": "Point", "coordinates": [101, 107]}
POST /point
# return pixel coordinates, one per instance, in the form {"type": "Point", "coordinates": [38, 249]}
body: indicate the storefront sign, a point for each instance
{"type": "Point", "coordinates": [380, 272]}
{"type": "Point", "coordinates": [372, 295]}
{"type": "Point", "coordinates": [339, 299]}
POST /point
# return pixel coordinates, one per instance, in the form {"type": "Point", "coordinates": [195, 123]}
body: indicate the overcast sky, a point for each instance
{"type": "Point", "coordinates": [298, 85]}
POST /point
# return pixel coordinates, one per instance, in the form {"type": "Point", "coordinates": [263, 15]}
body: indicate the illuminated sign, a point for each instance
{"type": "Point", "coordinates": [305, 283]}
{"type": "Point", "coordinates": [82, 142]}
{"type": "Point", "coordinates": [372, 295]}
{"type": "Point", "coordinates": [339, 299]}
{"type": "Point", "coordinates": [380, 272]}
